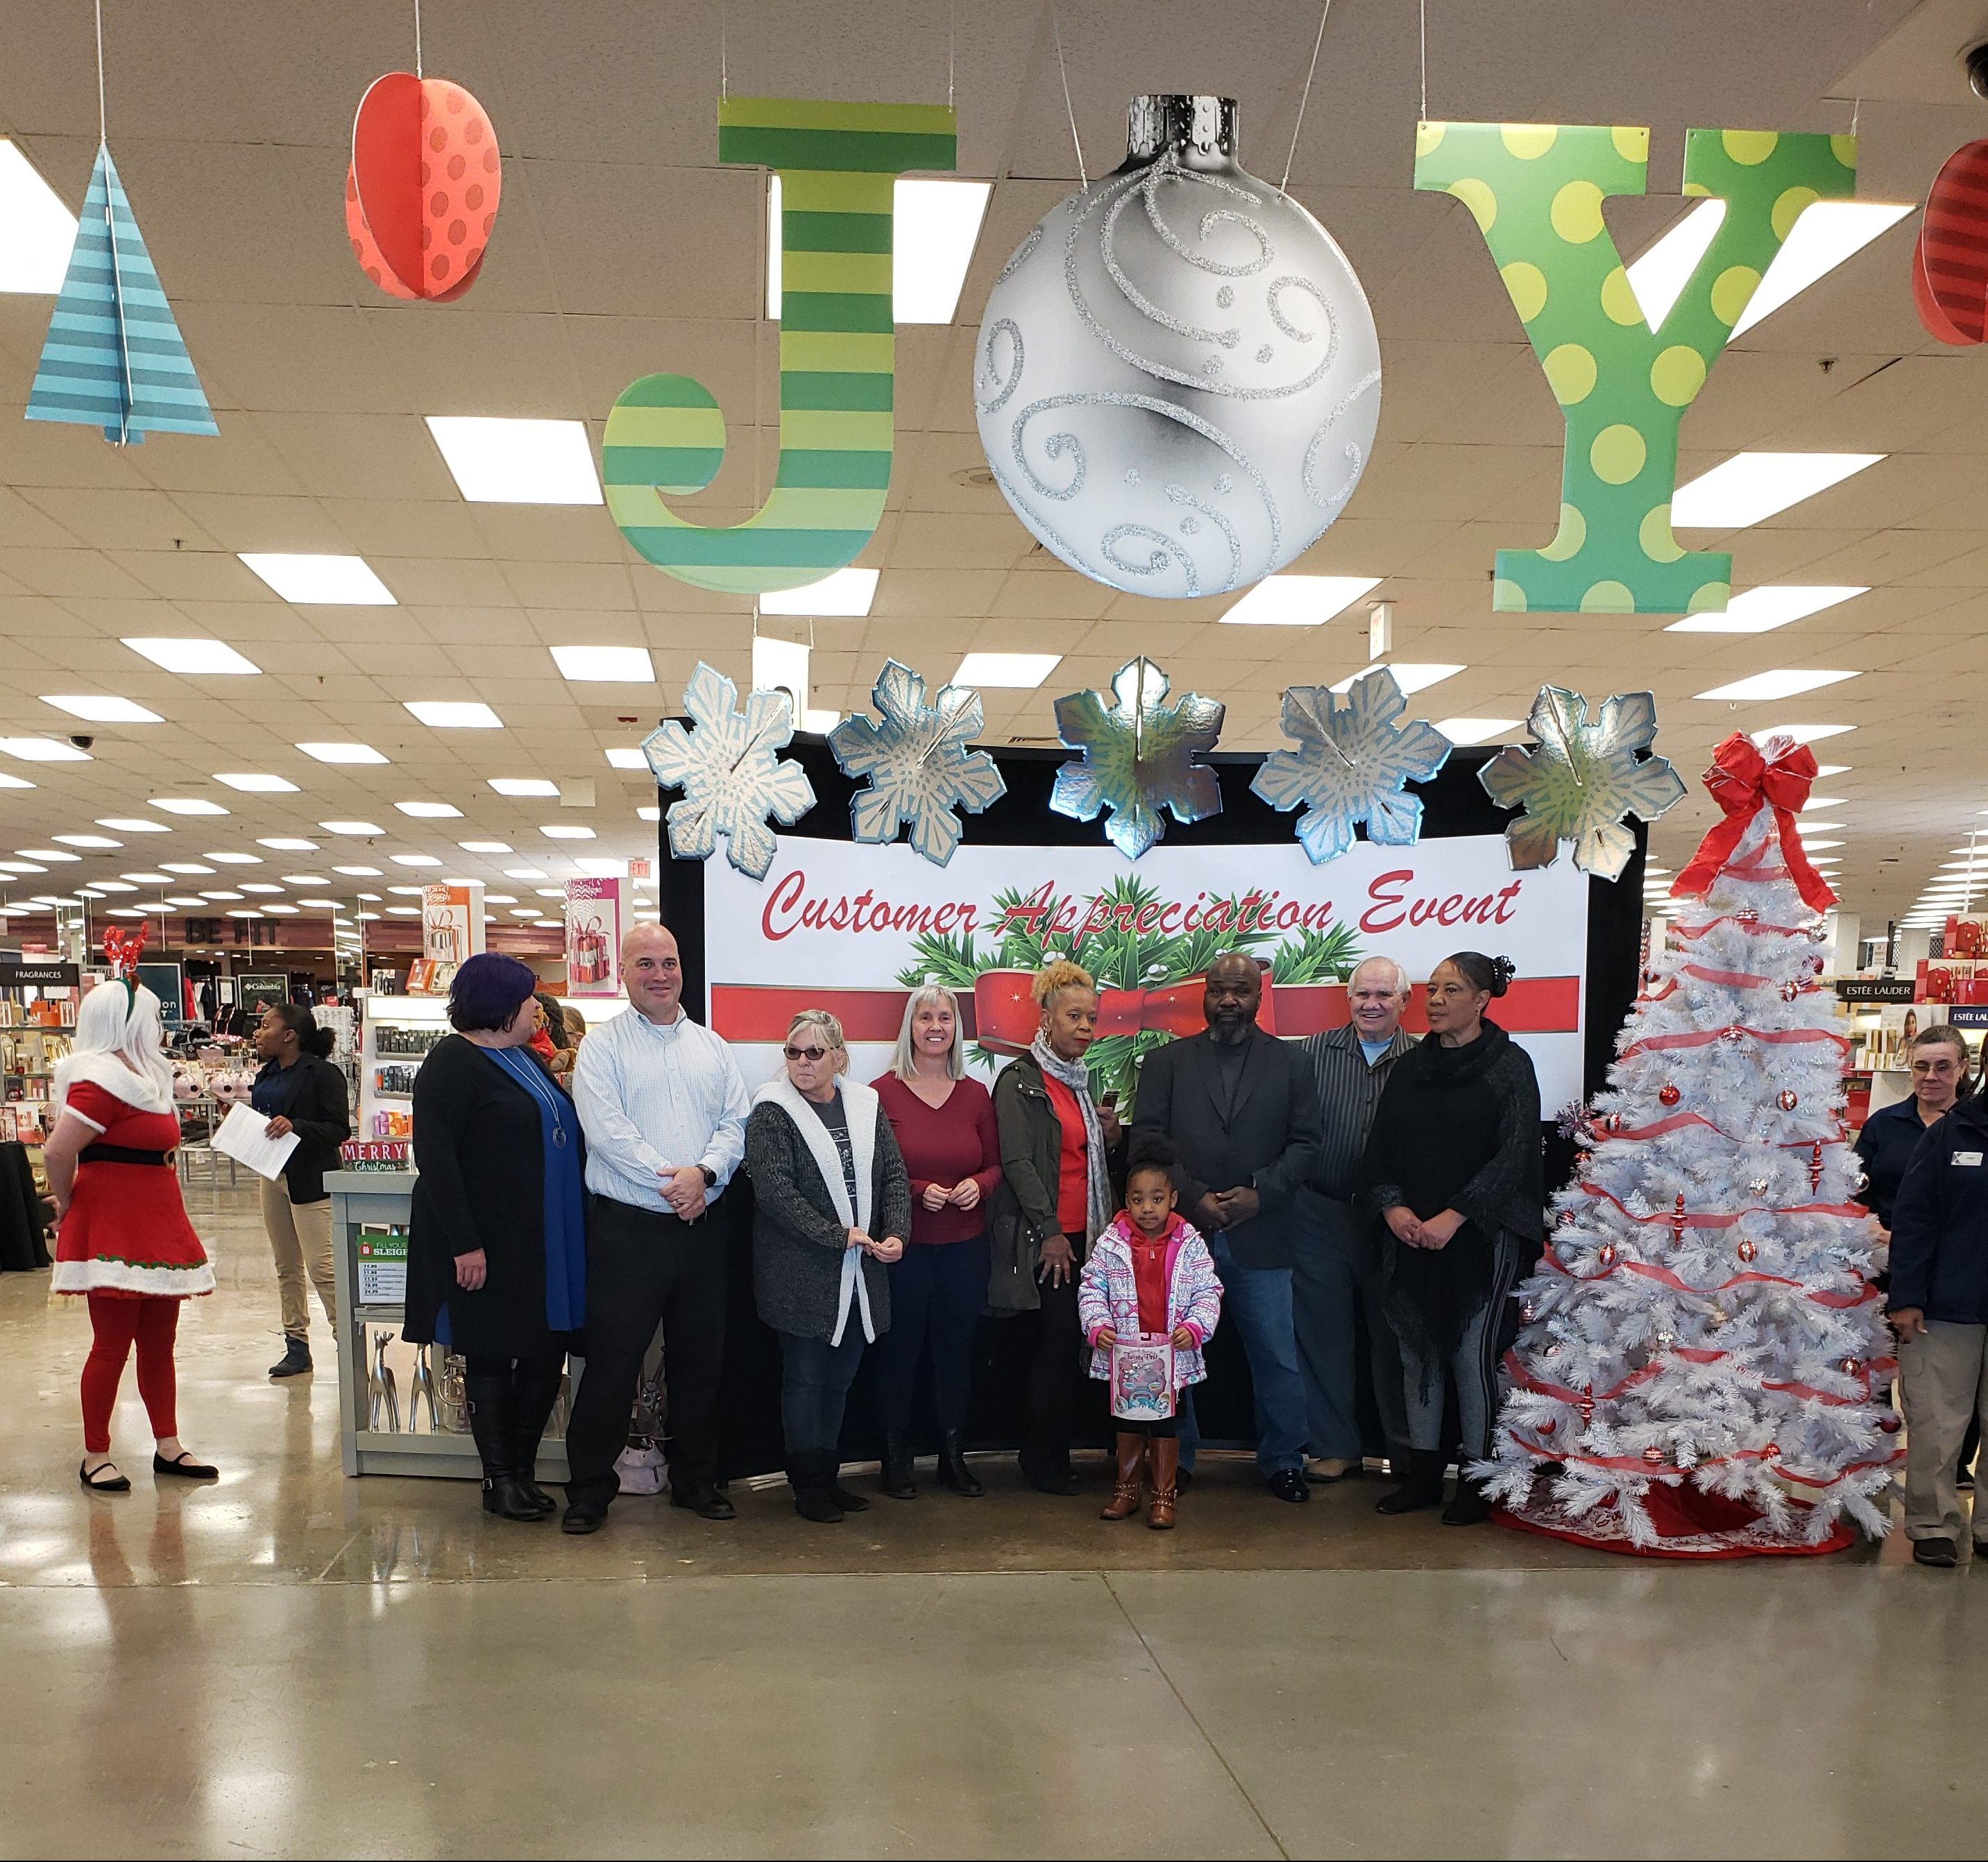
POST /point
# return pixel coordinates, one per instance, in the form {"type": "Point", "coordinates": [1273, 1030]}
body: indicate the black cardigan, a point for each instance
{"type": "Point", "coordinates": [480, 1149]}
{"type": "Point", "coordinates": [320, 1112]}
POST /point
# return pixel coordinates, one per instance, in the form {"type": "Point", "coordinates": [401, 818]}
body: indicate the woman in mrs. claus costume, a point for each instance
{"type": "Point", "coordinates": [125, 1241]}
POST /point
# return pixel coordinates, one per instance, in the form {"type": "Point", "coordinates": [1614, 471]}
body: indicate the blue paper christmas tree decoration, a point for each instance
{"type": "Point", "coordinates": [114, 357]}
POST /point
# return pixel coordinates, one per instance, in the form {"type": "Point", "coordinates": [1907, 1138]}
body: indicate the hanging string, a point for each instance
{"type": "Point", "coordinates": [1856, 111]}
{"type": "Point", "coordinates": [951, 46]}
{"type": "Point", "coordinates": [418, 38]}
{"type": "Point", "coordinates": [102, 126]}
{"type": "Point", "coordinates": [724, 55]}
{"type": "Point", "coordinates": [1056, 26]}
{"type": "Point", "coordinates": [1421, 14]}
{"type": "Point", "coordinates": [1304, 97]}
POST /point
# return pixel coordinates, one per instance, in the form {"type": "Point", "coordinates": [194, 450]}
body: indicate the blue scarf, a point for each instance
{"type": "Point", "coordinates": [565, 1197]}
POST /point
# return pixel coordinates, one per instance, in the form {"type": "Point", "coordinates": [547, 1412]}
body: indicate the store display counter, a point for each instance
{"type": "Point", "coordinates": [400, 1409]}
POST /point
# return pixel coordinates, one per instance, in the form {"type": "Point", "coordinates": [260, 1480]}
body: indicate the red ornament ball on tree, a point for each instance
{"type": "Point", "coordinates": [1654, 1455]}
{"type": "Point", "coordinates": [1669, 1095]}
{"type": "Point", "coordinates": [1746, 1251]}
{"type": "Point", "coordinates": [1786, 1099]}
{"type": "Point", "coordinates": [1889, 1424]}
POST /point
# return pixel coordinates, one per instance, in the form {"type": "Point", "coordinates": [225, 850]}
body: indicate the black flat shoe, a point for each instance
{"type": "Point", "coordinates": [1938, 1552]}
{"type": "Point", "coordinates": [117, 1484]}
{"type": "Point", "coordinates": [707, 1503]}
{"type": "Point", "coordinates": [1289, 1485]}
{"type": "Point", "coordinates": [580, 1519]}
{"type": "Point", "coordinates": [185, 1467]}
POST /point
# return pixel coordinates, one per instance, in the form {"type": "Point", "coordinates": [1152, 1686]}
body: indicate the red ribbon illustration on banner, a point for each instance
{"type": "Point", "coordinates": [1743, 781]}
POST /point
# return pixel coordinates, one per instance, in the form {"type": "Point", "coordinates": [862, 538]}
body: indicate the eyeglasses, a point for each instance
{"type": "Point", "coordinates": [806, 1054]}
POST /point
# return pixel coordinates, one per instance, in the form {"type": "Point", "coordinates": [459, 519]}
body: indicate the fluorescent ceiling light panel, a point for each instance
{"type": "Point", "coordinates": [612, 665]}
{"type": "Point", "coordinates": [252, 783]}
{"type": "Point", "coordinates": [415, 859]}
{"type": "Point", "coordinates": [132, 823]}
{"type": "Point", "coordinates": [92, 841]}
{"type": "Point", "coordinates": [1298, 601]}
{"type": "Point", "coordinates": [282, 843]}
{"type": "Point", "coordinates": [1817, 846]}
{"type": "Point", "coordinates": [1827, 233]}
{"type": "Point", "coordinates": [1760, 611]}
{"type": "Point", "coordinates": [430, 811]}
{"type": "Point", "coordinates": [1840, 769]}
{"type": "Point", "coordinates": [559, 832]}
{"type": "Point", "coordinates": [847, 592]}
{"type": "Point", "coordinates": [524, 912]}
{"type": "Point", "coordinates": [260, 885]}
{"type": "Point", "coordinates": [495, 460]}
{"type": "Point", "coordinates": [627, 756]}
{"type": "Point", "coordinates": [1752, 486]}
{"type": "Point", "coordinates": [1822, 801]}
{"type": "Point", "coordinates": [1478, 731]}
{"type": "Point", "coordinates": [195, 657]}
{"type": "Point", "coordinates": [1410, 677]}
{"type": "Point", "coordinates": [58, 856]}
{"type": "Point", "coordinates": [101, 708]}
{"type": "Point", "coordinates": [15, 782]}
{"type": "Point", "coordinates": [552, 891]}
{"type": "Point", "coordinates": [328, 581]}
{"type": "Point", "coordinates": [936, 223]}
{"type": "Point", "coordinates": [183, 867]}
{"type": "Point", "coordinates": [43, 749]}
{"type": "Point", "coordinates": [139, 879]}
{"type": "Point", "coordinates": [1010, 671]}
{"type": "Point", "coordinates": [286, 911]}
{"type": "Point", "coordinates": [454, 714]}
{"type": "Point", "coordinates": [362, 830]}
{"type": "Point", "coordinates": [484, 847]}
{"type": "Point", "coordinates": [342, 753]}
{"type": "Point", "coordinates": [37, 231]}
{"type": "Point", "coordinates": [525, 873]}
{"type": "Point", "coordinates": [358, 872]}
{"type": "Point", "coordinates": [235, 859]}
{"type": "Point", "coordinates": [652, 813]}
{"type": "Point", "coordinates": [1784, 682]}
{"type": "Point", "coordinates": [523, 785]}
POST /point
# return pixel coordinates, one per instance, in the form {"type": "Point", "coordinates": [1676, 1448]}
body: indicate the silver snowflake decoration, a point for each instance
{"type": "Point", "coordinates": [919, 768]}
{"type": "Point", "coordinates": [1352, 765]}
{"type": "Point", "coordinates": [731, 776]}
{"type": "Point", "coordinates": [1138, 757]}
{"type": "Point", "coordinates": [1580, 779]}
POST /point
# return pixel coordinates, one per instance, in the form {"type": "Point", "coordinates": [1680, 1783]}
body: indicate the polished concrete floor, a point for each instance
{"type": "Point", "coordinates": [293, 1664]}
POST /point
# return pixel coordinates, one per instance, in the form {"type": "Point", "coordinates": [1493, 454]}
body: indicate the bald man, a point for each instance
{"type": "Point", "coordinates": [664, 1107]}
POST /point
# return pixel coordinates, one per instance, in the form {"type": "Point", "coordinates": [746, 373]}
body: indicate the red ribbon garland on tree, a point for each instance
{"type": "Point", "coordinates": [1743, 781]}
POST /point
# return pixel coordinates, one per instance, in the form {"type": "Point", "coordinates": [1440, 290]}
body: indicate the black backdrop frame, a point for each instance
{"type": "Point", "coordinates": [1454, 805]}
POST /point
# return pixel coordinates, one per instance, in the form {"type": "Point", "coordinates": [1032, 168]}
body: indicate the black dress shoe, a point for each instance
{"type": "Point", "coordinates": [118, 1483]}
{"type": "Point", "coordinates": [1289, 1485]}
{"type": "Point", "coordinates": [706, 1502]}
{"type": "Point", "coordinates": [296, 1360]}
{"type": "Point", "coordinates": [1061, 1481]}
{"type": "Point", "coordinates": [953, 1471]}
{"type": "Point", "coordinates": [1941, 1552]}
{"type": "Point", "coordinates": [583, 1519]}
{"type": "Point", "coordinates": [185, 1468]}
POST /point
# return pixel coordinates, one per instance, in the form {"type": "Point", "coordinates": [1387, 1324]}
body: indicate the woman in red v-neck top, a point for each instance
{"type": "Point", "coordinates": [944, 1124]}
{"type": "Point", "coordinates": [124, 1241]}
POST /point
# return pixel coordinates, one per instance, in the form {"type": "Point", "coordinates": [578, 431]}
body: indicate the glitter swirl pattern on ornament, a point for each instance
{"type": "Point", "coordinates": [1178, 379]}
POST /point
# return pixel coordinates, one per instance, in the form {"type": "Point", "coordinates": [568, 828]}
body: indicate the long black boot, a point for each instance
{"type": "Point", "coordinates": [1470, 1505]}
{"type": "Point", "coordinates": [1421, 1490]}
{"type": "Point", "coordinates": [953, 1471]}
{"type": "Point", "coordinates": [535, 1388]}
{"type": "Point", "coordinates": [896, 1477]}
{"type": "Point", "coordinates": [490, 1413]}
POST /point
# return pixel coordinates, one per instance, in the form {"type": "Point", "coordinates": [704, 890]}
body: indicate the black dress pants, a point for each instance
{"type": "Point", "coordinates": [644, 1267]}
{"type": "Point", "coordinates": [1054, 1375]}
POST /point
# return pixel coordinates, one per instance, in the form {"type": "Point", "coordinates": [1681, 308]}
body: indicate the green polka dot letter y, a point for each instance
{"type": "Point", "coordinates": [1535, 192]}
{"type": "Point", "coordinates": [838, 164]}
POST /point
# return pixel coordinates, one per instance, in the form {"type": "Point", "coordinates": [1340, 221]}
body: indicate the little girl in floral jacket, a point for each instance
{"type": "Point", "coordinates": [1149, 1273]}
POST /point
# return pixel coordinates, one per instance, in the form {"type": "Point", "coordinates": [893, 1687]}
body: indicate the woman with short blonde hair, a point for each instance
{"type": "Point", "coordinates": [945, 1127]}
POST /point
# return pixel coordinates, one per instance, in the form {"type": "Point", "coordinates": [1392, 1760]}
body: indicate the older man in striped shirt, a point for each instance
{"type": "Point", "coordinates": [1338, 1261]}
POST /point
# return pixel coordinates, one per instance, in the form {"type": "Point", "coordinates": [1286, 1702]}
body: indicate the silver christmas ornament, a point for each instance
{"type": "Point", "coordinates": [1178, 378]}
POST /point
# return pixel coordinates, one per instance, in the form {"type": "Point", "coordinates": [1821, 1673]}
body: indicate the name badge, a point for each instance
{"type": "Point", "coordinates": [1968, 1158]}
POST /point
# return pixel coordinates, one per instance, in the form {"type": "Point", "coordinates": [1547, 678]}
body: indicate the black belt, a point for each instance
{"type": "Point", "coordinates": [123, 1154]}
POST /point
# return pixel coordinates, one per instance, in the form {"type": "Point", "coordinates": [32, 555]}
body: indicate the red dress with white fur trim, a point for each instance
{"type": "Point", "coordinates": [126, 1230]}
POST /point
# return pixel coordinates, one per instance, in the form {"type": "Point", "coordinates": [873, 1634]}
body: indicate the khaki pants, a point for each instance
{"type": "Point", "coordinates": [300, 1239]}
{"type": "Point", "coordinates": [1943, 1381]}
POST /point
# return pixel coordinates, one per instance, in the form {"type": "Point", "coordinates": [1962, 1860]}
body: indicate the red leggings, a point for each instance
{"type": "Point", "coordinates": [116, 1321]}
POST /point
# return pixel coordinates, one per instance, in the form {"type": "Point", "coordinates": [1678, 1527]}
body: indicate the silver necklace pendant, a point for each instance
{"type": "Point", "coordinates": [559, 1135]}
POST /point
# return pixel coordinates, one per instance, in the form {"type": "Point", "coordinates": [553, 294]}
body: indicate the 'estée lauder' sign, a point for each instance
{"type": "Point", "coordinates": [852, 929]}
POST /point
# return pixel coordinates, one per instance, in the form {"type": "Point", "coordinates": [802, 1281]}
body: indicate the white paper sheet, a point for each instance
{"type": "Point", "coordinates": [244, 1134]}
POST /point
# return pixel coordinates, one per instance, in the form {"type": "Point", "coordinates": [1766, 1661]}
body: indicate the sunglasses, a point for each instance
{"type": "Point", "coordinates": [804, 1053]}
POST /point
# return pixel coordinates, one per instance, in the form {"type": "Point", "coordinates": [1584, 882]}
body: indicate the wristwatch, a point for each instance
{"type": "Point", "coordinates": [710, 1176]}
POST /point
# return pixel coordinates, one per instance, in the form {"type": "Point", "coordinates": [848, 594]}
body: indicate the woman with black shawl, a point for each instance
{"type": "Point", "coordinates": [1454, 1176]}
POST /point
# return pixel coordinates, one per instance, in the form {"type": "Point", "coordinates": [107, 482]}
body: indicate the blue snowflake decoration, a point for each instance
{"type": "Point", "coordinates": [731, 777]}
{"type": "Point", "coordinates": [918, 767]}
{"type": "Point", "coordinates": [1351, 765]}
{"type": "Point", "coordinates": [1138, 757]}
{"type": "Point", "coordinates": [1580, 779]}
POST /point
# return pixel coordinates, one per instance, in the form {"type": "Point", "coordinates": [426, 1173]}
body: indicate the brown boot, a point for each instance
{"type": "Point", "coordinates": [1166, 1483]}
{"type": "Point", "coordinates": [1124, 1501]}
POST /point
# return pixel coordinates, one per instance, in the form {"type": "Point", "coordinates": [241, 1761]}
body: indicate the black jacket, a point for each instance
{"type": "Point", "coordinates": [321, 1113]}
{"type": "Point", "coordinates": [1268, 1140]}
{"type": "Point", "coordinates": [480, 1149]}
{"type": "Point", "coordinates": [1939, 1222]}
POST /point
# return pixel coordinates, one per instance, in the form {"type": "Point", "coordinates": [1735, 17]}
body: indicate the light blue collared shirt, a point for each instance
{"type": "Point", "coordinates": [652, 1099]}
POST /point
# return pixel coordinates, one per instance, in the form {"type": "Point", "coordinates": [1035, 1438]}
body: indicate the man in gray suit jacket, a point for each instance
{"type": "Point", "coordinates": [1238, 1106]}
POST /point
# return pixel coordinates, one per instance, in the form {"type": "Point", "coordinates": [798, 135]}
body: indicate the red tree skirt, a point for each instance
{"type": "Point", "coordinates": [1690, 1523]}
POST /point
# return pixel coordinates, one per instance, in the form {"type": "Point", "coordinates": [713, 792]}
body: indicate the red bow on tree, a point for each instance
{"type": "Point", "coordinates": [1743, 781]}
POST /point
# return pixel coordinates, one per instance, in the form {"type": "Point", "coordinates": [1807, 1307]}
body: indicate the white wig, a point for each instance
{"type": "Point", "coordinates": [120, 1045]}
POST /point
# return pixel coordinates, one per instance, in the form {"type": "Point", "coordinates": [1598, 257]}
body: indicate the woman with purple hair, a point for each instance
{"type": "Point", "coordinates": [497, 1240]}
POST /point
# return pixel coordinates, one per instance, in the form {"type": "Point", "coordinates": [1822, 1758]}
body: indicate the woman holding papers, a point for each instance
{"type": "Point", "coordinates": [300, 1091]}
{"type": "Point", "coordinates": [125, 1242]}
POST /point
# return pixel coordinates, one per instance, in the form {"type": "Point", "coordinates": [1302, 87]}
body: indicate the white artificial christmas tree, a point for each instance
{"type": "Point", "coordinates": [1695, 1371]}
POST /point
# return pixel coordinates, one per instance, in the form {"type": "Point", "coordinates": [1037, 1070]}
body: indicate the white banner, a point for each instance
{"type": "Point", "coordinates": [851, 928]}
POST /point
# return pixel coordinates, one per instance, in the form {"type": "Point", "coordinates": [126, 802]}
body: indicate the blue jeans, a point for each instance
{"type": "Point", "coordinates": [1338, 1273]}
{"type": "Point", "coordinates": [1257, 1302]}
{"type": "Point", "coordinates": [815, 1377]}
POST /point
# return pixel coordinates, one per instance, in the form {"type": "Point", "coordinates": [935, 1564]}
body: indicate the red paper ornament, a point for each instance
{"type": "Point", "coordinates": [1786, 1100]}
{"type": "Point", "coordinates": [1669, 1095]}
{"type": "Point", "coordinates": [1950, 256]}
{"type": "Point", "coordinates": [1746, 1251]}
{"type": "Point", "coordinates": [420, 194]}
